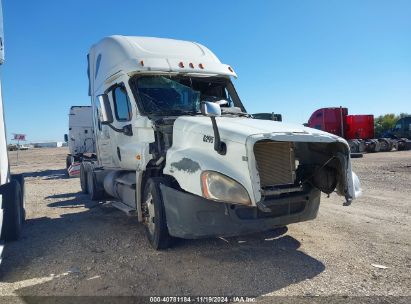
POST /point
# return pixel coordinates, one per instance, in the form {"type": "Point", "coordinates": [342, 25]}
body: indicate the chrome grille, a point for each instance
{"type": "Point", "coordinates": [275, 163]}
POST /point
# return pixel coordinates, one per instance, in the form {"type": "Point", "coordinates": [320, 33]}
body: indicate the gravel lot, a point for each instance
{"type": "Point", "coordinates": [72, 246]}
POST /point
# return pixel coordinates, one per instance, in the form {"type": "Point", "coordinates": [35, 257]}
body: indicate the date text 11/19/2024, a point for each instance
{"type": "Point", "coordinates": [202, 299]}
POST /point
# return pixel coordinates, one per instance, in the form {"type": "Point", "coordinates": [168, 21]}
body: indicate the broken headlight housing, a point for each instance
{"type": "Point", "coordinates": [218, 187]}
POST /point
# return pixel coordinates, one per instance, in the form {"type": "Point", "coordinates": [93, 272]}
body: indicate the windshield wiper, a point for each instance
{"type": "Point", "coordinates": [183, 112]}
{"type": "Point", "coordinates": [174, 112]}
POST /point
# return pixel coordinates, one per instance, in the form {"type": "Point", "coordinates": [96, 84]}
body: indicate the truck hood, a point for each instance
{"type": "Point", "coordinates": [192, 151]}
{"type": "Point", "coordinates": [238, 129]}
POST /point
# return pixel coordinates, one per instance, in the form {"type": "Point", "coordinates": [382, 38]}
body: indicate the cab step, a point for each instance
{"type": "Point", "coordinates": [123, 207]}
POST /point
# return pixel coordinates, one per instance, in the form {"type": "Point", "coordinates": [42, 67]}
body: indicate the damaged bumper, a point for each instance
{"type": "Point", "coordinates": [190, 216]}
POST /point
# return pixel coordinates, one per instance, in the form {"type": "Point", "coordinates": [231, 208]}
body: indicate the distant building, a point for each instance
{"type": "Point", "coordinates": [49, 144]}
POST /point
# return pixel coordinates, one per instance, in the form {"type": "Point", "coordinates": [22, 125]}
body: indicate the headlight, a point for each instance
{"type": "Point", "coordinates": [219, 187]}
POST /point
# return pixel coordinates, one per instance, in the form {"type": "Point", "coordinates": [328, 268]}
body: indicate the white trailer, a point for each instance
{"type": "Point", "coordinates": [80, 138]}
{"type": "Point", "coordinates": [176, 147]}
{"type": "Point", "coordinates": [12, 214]}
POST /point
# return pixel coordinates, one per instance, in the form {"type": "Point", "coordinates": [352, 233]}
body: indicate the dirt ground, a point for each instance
{"type": "Point", "coordinates": [72, 246]}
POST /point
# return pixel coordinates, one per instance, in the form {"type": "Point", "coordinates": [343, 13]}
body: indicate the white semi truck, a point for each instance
{"type": "Point", "coordinates": [176, 147]}
{"type": "Point", "coordinates": [12, 212]}
{"type": "Point", "coordinates": [80, 138]}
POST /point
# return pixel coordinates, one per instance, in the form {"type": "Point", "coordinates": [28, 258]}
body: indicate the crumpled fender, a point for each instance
{"type": "Point", "coordinates": [186, 164]}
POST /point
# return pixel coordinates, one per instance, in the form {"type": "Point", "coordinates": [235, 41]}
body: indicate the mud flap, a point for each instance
{"type": "Point", "coordinates": [74, 170]}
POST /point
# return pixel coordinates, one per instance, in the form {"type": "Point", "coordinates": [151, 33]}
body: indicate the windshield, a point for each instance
{"type": "Point", "coordinates": [175, 95]}
{"type": "Point", "coordinates": [162, 95]}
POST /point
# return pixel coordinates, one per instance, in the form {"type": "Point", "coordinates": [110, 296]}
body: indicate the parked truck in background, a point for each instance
{"type": "Point", "coordinates": [402, 128]}
{"type": "Point", "coordinates": [12, 212]}
{"type": "Point", "coordinates": [176, 147]}
{"type": "Point", "coordinates": [358, 130]}
{"type": "Point", "coordinates": [80, 138]}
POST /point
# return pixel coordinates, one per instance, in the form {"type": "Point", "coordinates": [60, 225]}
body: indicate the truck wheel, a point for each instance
{"type": "Point", "coordinates": [20, 179]}
{"type": "Point", "coordinates": [94, 192]}
{"type": "Point", "coordinates": [83, 177]}
{"type": "Point", "coordinates": [354, 146]}
{"type": "Point", "coordinates": [154, 217]}
{"type": "Point", "coordinates": [13, 218]}
{"type": "Point", "coordinates": [385, 144]}
{"type": "Point", "coordinates": [356, 155]}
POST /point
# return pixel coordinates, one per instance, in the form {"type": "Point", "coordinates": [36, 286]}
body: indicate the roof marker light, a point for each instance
{"type": "Point", "coordinates": [201, 66]}
{"type": "Point", "coordinates": [181, 64]}
{"type": "Point", "coordinates": [191, 65]}
{"type": "Point", "coordinates": [231, 69]}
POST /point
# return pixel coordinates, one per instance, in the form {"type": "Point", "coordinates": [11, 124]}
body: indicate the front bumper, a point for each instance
{"type": "Point", "coordinates": [190, 216]}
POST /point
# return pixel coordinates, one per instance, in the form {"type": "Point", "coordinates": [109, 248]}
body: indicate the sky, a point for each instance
{"type": "Point", "coordinates": [292, 57]}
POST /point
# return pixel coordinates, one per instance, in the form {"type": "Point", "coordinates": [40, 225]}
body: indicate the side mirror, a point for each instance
{"type": "Point", "coordinates": [65, 137]}
{"type": "Point", "coordinates": [210, 109]}
{"type": "Point", "coordinates": [105, 109]}
{"type": "Point", "coordinates": [213, 110]}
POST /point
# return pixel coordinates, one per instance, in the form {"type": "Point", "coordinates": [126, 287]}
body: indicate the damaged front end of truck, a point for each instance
{"type": "Point", "coordinates": [261, 181]}
{"type": "Point", "coordinates": [176, 146]}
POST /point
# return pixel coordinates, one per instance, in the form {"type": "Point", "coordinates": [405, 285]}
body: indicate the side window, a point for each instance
{"type": "Point", "coordinates": [98, 61]}
{"type": "Point", "coordinates": [122, 104]}
{"type": "Point", "coordinates": [97, 114]}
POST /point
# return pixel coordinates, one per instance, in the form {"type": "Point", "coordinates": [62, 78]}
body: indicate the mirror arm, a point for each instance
{"type": "Point", "coordinates": [126, 130]}
{"type": "Point", "coordinates": [219, 146]}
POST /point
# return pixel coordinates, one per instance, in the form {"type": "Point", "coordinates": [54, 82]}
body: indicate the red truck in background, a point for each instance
{"type": "Point", "coordinates": [358, 130]}
{"type": "Point", "coordinates": [360, 126]}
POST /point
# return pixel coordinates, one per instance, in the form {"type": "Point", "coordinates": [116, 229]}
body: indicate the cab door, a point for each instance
{"type": "Point", "coordinates": [121, 134]}
{"type": "Point", "coordinates": [103, 139]}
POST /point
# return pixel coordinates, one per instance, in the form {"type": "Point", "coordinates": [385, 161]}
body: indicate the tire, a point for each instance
{"type": "Point", "coordinates": [361, 146]}
{"type": "Point", "coordinates": [385, 144]}
{"type": "Point", "coordinates": [154, 217]}
{"type": "Point", "coordinates": [83, 177]}
{"type": "Point", "coordinates": [20, 179]}
{"type": "Point", "coordinates": [354, 146]}
{"type": "Point", "coordinates": [402, 144]}
{"type": "Point", "coordinates": [12, 207]}
{"type": "Point", "coordinates": [94, 192]}
{"type": "Point", "coordinates": [356, 155]}
{"type": "Point", "coordinates": [280, 230]}
{"type": "Point", "coordinates": [377, 146]}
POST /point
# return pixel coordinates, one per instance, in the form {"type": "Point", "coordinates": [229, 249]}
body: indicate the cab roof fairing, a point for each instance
{"type": "Point", "coordinates": [132, 55]}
